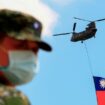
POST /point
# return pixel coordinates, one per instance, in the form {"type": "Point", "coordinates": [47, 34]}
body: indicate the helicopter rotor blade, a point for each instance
{"type": "Point", "coordinates": [82, 19]}
{"type": "Point", "coordinates": [100, 20]}
{"type": "Point", "coordinates": [62, 34]}
{"type": "Point", "coordinates": [74, 26]}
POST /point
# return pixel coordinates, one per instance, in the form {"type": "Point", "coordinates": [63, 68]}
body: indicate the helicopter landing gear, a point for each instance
{"type": "Point", "coordinates": [82, 41]}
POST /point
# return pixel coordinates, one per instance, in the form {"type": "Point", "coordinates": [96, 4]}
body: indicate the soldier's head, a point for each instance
{"type": "Point", "coordinates": [20, 41]}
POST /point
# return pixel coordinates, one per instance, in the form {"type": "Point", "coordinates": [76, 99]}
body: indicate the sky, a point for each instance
{"type": "Point", "coordinates": [66, 74]}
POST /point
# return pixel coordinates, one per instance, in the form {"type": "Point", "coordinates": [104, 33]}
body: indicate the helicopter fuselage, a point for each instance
{"type": "Point", "coordinates": [84, 35]}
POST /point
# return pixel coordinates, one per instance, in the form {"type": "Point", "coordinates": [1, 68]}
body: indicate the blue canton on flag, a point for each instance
{"type": "Point", "coordinates": [99, 83]}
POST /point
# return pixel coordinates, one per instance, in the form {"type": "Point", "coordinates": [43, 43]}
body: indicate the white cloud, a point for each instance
{"type": "Point", "coordinates": [36, 8]}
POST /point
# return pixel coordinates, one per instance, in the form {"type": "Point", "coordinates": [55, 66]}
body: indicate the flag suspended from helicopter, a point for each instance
{"type": "Point", "coordinates": [100, 89]}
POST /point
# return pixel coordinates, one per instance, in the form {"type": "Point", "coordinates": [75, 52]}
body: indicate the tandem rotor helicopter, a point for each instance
{"type": "Point", "coordinates": [88, 33]}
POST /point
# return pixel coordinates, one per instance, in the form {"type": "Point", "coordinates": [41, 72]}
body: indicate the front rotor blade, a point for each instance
{"type": "Point", "coordinates": [74, 26]}
{"type": "Point", "coordinates": [62, 34]}
{"type": "Point", "coordinates": [82, 19]}
{"type": "Point", "coordinates": [100, 20]}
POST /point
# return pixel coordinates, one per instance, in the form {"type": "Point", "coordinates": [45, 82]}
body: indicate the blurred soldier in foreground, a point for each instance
{"type": "Point", "coordinates": [20, 41]}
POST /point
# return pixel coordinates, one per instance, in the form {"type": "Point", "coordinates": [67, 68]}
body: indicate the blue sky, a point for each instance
{"type": "Point", "coordinates": [65, 77]}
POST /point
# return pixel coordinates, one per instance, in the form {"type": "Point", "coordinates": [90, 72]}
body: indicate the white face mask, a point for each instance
{"type": "Point", "coordinates": [21, 68]}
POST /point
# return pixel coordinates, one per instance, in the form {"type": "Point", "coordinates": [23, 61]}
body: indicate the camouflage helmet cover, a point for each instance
{"type": "Point", "coordinates": [22, 26]}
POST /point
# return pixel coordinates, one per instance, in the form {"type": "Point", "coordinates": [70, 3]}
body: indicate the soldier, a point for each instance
{"type": "Point", "coordinates": [20, 41]}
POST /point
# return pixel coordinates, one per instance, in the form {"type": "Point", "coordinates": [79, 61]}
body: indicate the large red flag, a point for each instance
{"type": "Point", "coordinates": [100, 90]}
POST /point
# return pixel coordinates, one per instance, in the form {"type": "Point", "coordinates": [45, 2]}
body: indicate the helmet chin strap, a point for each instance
{"type": "Point", "coordinates": [3, 49]}
{"type": "Point", "coordinates": [3, 54]}
{"type": "Point", "coordinates": [4, 80]}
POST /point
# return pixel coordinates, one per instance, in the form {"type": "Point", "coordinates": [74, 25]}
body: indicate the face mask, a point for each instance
{"type": "Point", "coordinates": [21, 68]}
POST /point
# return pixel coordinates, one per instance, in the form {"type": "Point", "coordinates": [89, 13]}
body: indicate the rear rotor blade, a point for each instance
{"type": "Point", "coordinates": [62, 34]}
{"type": "Point", "coordinates": [74, 26]}
{"type": "Point", "coordinates": [100, 20]}
{"type": "Point", "coordinates": [82, 19]}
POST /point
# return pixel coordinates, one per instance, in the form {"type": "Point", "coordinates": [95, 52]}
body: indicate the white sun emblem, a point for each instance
{"type": "Point", "coordinates": [102, 83]}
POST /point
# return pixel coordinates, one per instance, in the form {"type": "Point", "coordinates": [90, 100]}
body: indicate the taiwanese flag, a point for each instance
{"type": "Point", "coordinates": [100, 89]}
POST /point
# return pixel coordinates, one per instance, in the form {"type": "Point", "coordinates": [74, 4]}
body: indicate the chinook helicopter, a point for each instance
{"type": "Point", "coordinates": [88, 33]}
